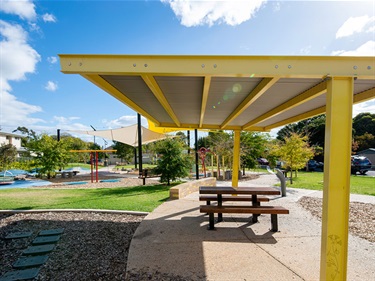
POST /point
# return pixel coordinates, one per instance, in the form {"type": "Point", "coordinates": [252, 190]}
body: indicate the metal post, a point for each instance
{"type": "Point", "coordinates": [188, 141]}
{"type": "Point", "coordinates": [140, 144]}
{"type": "Point", "coordinates": [196, 155]}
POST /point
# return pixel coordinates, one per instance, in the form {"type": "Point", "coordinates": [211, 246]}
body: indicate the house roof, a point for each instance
{"type": "Point", "coordinates": [222, 92]}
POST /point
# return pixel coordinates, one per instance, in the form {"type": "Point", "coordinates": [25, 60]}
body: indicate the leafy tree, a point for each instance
{"type": "Point", "coordinates": [50, 153]}
{"type": "Point", "coordinates": [253, 146]}
{"type": "Point", "coordinates": [364, 123]}
{"type": "Point", "coordinates": [173, 163]}
{"type": "Point", "coordinates": [365, 141]}
{"type": "Point", "coordinates": [8, 153]}
{"type": "Point", "coordinates": [124, 151]}
{"type": "Point", "coordinates": [294, 151]}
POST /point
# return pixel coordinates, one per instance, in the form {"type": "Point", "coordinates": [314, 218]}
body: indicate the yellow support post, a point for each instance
{"type": "Point", "coordinates": [236, 158]}
{"type": "Point", "coordinates": [337, 152]}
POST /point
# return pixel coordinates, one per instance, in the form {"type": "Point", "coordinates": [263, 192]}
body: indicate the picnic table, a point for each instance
{"type": "Point", "coordinates": [239, 194]}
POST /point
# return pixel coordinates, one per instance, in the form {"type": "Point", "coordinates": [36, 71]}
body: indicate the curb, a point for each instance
{"type": "Point", "coordinates": [74, 210]}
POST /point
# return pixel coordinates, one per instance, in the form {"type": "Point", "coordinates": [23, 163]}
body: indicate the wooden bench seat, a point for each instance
{"type": "Point", "coordinates": [209, 198]}
{"type": "Point", "coordinates": [255, 210]}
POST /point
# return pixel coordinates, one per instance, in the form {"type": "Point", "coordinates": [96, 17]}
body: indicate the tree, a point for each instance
{"type": "Point", "coordinates": [8, 153]}
{"type": "Point", "coordinates": [50, 153]}
{"type": "Point", "coordinates": [124, 151]}
{"type": "Point", "coordinates": [294, 151]}
{"type": "Point", "coordinates": [364, 123]}
{"type": "Point", "coordinates": [173, 163]}
{"type": "Point", "coordinates": [253, 146]}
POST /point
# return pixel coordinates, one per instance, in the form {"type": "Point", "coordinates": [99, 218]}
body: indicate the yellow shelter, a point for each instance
{"type": "Point", "coordinates": [251, 93]}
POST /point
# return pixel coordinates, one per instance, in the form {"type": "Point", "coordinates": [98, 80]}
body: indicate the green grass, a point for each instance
{"type": "Point", "coordinates": [138, 198]}
{"type": "Point", "coordinates": [314, 181]}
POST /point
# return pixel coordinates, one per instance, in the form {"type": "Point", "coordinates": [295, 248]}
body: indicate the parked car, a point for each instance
{"type": "Point", "coordinates": [263, 161]}
{"type": "Point", "coordinates": [313, 165]}
{"type": "Point", "coordinates": [360, 164]}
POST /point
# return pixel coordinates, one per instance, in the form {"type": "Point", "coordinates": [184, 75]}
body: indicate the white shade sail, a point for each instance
{"type": "Point", "coordinates": [127, 135]}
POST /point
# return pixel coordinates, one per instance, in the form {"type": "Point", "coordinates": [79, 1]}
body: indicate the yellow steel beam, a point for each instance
{"type": "Point", "coordinates": [206, 89]}
{"type": "Point", "coordinates": [365, 96]}
{"type": "Point", "coordinates": [236, 158]}
{"type": "Point", "coordinates": [337, 152]}
{"type": "Point", "coordinates": [229, 66]}
{"type": "Point", "coordinates": [358, 98]}
{"type": "Point", "coordinates": [103, 84]}
{"type": "Point", "coordinates": [209, 127]}
{"type": "Point", "coordinates": [155, 89]}
{"type": "Point", "coordinates": [312, 93]}
{"type": "Point", "coordinates": [259, 90]}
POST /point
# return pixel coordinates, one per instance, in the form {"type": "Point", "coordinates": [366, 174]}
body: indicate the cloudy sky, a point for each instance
{"type": "Point", "coordinates": [35, 94]}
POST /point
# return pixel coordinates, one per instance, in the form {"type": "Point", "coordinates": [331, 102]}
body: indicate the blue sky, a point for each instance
{"type": "Point", "coordinates": [35, 94]}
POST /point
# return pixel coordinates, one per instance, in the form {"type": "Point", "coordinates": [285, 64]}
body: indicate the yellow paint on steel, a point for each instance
{"type": "Point", "coordinates": [206, 88]}
{"type": "Point", "coordinates": [337, 152]}
{"type": "Point", "coordinates": [93, 150]}
{"type": "Point", "coordinates": [364, 96]}
{"type": "Point", "coordinates": [228, 66]}
{"type": "Point", "coordinates": [158, 93]}
{"type": "Point", "coordinates": [236, 158]}
{"type": "Point", "coordinates": [103, 84]}
{"type": "Point", "coordinates": [358, 98]}
{"type": "Point", "coordinates": [310, 94]}
{"type": "Point", "coordinates": [209, 127]}
{"type": "Point", "coordinates": [259, 90]}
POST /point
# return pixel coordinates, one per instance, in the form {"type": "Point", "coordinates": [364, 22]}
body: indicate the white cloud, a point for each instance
{"type": "Point", "coordinates": [52, 60]}
{"type": "Point", "coordinates": [209, 12]}
{"type": "Point", "coordinates": [24, 9]}
{"type": "Point", "coordinates": [368, 106]}
{"type": "Point", "coordinates": [49, 18]}
{"type": "Point", "coordinates": [14, 113]}
{"type": "Point", "coordinates": [124, 121]}
{"type": "Point", "coordinates": [356, 25]}
{"type": "Point", "coordinates": [51, 86]}
{"type": "Point", "coordinates": [367, 49]}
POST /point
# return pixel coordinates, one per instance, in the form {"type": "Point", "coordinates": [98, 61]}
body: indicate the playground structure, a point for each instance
{"type": "Point", "coordinates": [94, 159]}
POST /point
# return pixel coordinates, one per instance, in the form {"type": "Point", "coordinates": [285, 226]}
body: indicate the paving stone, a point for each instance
{"type": "Point", "coordinates": [24, 274]}
{"type": "Point", "coordinates": [51, 232]}
{"type": "Point", "coordinates": [17, 235]}
{"type": "Point", "coordinates": [36, 250]}
{"type": "Point", "coordinates": [46, 239]}
{"type": "Point", "coordinates": [30, 261]}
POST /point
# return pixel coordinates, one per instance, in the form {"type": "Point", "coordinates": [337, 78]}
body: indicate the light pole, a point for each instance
{"type": "Point", "coordinates": [94, 130]}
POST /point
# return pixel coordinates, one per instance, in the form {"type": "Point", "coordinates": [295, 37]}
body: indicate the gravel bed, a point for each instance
{"type": "Point", "coordinates": [361, 216]}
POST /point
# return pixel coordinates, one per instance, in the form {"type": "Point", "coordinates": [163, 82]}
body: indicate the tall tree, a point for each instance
{"type": "Point", "coordinates": [364, 123]}
{"type": "Point", "coordinates": [253, 146]}
{"type": "Point", "coordinates": [294, 151]}
{"type": "Point", "coordinates": [173, 163]}
{"type": "Point", "coordinates": [124, 151]}
{"type": "Point", "coordinates": [8, 153]}
{"type": "Point", "coordinates": [50, 153]}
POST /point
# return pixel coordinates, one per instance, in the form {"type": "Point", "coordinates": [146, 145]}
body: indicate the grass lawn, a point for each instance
{"type": "Point", "coordinates": [314, 181]}
{"type": "Point", "coordinates": [139, 198]}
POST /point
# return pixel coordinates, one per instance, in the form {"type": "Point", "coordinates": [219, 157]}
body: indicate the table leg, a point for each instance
{"type": "Point", "coordinates": [255, 202]}
{"type": "Point", "coordinates": [219, 203]}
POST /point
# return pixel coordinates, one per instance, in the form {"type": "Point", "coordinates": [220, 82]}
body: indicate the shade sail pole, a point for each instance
{"type": "Point", "coordinates": [338, 140]}
{"type": "Point", "coordinates": [139, 143]}
{"type": "Point", "coordinates": [236, 158]}
{"type": "Point", "coordinates": [196, 155]}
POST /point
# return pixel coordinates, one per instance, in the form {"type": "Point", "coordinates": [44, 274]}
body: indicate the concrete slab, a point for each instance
{"type": "Point", "coordinates": [18, 235]}
{"type": "Point", "coordinates": [49, 232]}
{"type": "Point", "coordinates": [37, 250]}
{"type": "Point", "coordinates": [177, 243]}
{"type": "Point", "coordinates": [25, 274]}
{"type": "Point", "coordinates": [25, 262]}
{"type": "Point", "coordinates": [46, 239]}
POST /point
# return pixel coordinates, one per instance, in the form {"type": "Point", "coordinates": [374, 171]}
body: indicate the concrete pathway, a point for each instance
{"type": "Point", "coordinates": [174, 240]}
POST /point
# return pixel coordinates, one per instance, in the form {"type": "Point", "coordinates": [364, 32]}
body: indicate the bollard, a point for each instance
{"type": "Point", "coordinates": [282, 179]}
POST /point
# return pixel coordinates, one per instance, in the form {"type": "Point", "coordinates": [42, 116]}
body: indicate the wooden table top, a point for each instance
{"type": "Point", "coordinates": [239, 190]}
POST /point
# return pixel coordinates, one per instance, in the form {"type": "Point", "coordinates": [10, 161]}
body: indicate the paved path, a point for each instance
{"type": "Point", "coordinates": [174, 240]}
